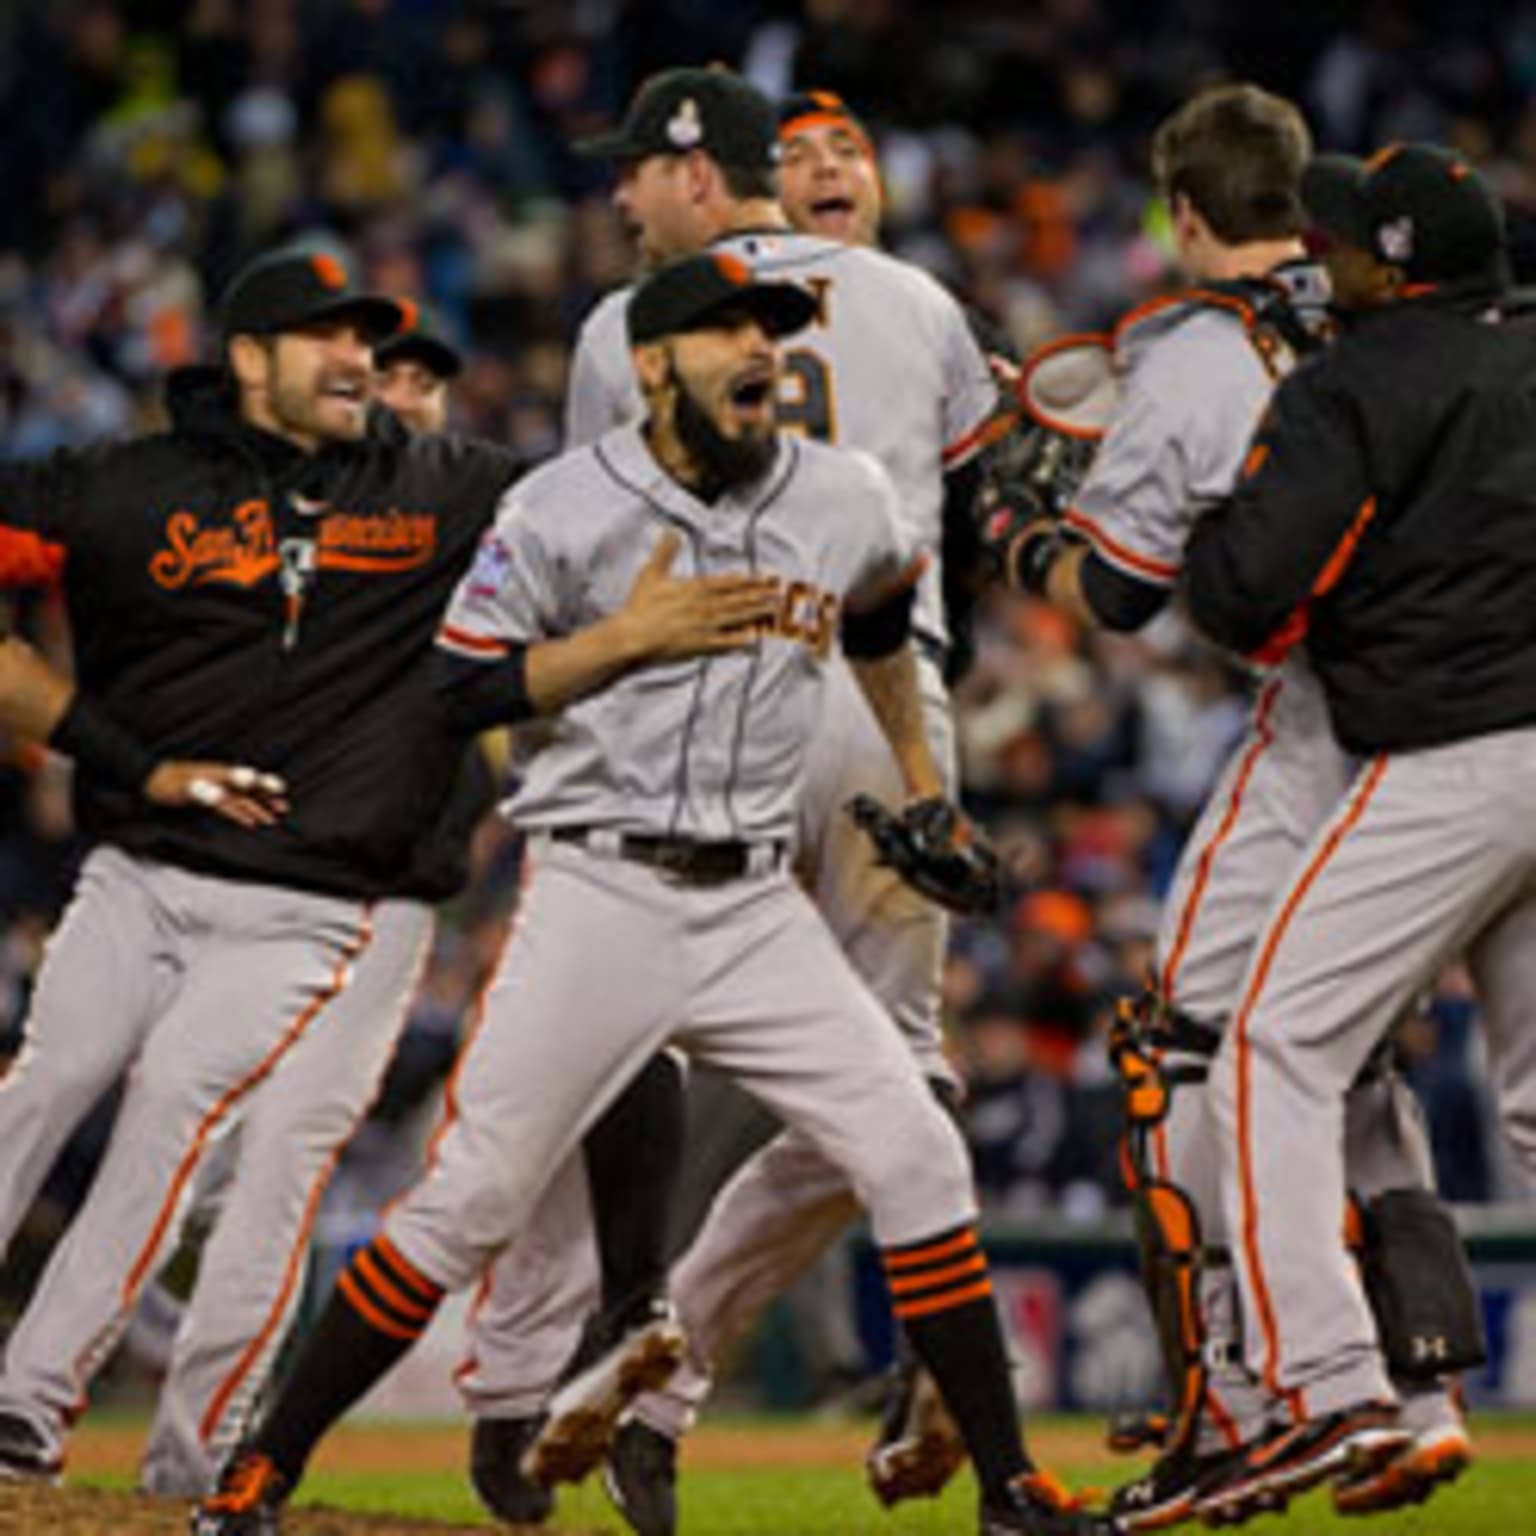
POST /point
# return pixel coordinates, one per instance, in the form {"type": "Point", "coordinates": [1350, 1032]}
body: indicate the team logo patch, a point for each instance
{"type": "Point", "coordinates": [1395, 239]}
{"type": "Point", "coordinates": [330, 271]}
{"type": "Point", "coordinates": [488, 575]}
{"type": "Point", "coordinates": [685, 128]}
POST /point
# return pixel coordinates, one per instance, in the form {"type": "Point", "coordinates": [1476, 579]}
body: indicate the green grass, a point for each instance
{"type": "Point", "coordinates": [1496, 1498]}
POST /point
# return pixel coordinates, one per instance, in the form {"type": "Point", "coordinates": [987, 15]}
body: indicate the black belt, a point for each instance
{"type": "Point", "coordinates": [686, 859]}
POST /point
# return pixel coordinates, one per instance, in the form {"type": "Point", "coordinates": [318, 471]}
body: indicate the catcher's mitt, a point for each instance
{"type": "Point", "coordinates": [1065, 396]}
{"type": "Point", "coordinates": [936, 850]}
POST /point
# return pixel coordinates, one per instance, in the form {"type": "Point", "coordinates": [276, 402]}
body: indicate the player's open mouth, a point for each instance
{"type": "Point", "coordinates": [352, 391]}
{"type": "Point", "coordinates": [833, 207]}
{"type": "Point", "coordinates": [752, 393]}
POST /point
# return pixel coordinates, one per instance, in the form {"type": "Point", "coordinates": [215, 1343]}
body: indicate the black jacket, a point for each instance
{"type": "Point", "coordinates": [1389, 515]}
{"type": "Point", "coordinates": [232, 598]}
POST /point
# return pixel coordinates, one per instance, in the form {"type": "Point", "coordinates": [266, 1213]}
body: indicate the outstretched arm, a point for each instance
{"type": "Point", "coordinates": [42, 705]}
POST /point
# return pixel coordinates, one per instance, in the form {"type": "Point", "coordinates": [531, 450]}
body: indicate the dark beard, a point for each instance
{"type": "Point", "coordinates": [724, 462]}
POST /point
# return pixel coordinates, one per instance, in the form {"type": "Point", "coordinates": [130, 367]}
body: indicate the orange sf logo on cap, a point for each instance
{"type": "Point", "coordinates": [329, 271]}
{"type": "Point", "coordinates": [733, 269]}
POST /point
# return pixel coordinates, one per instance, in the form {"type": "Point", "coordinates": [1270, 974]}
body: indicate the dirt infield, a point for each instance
{"type": "Point", "coordinates": [113, 1449]}
{"type": "Point", "coordinates": [28, 1511]}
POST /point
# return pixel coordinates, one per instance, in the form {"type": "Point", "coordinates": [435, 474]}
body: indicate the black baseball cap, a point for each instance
{"type": "Point", "coordinates": [687, 295]}
{"type": "Point", "coordinates": [1417, 206]}
{"type": "Point", "coordinates": [808, 109]}
{"type": "Point", "coordinates": [712, 109]}
{"type": "Point", "coordinates": [422, 339]}
{"type": "Point", "coordinates": [294, 287]}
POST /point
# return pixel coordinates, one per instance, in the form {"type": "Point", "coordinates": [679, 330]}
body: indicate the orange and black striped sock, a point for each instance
{"type": "Point", "coordinates": [941, 1293]}
{"type": "Point", "coordinates": [380, 1307]}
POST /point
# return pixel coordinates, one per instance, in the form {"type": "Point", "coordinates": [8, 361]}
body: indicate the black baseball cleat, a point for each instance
{"type": "Point", "coordinates": [1167, 1493]}
{"type": "Point", "coordinates": [248, 1502]}
{"type": "Point", "coordinates": [640, 1477]}
{"type": "Point", "coordinates": [1037, 1504]}
{"type": "Point", "coordinates": [1291, 1458]}
{"type": "Point", "coordinates": [25, 1456]}
{"type": "Point", "coordinates": [620, 1358]}
{"type": "Point", "coordinates": [496, 1451]}
{"type": "Point", "coordinates": [919, 1448]}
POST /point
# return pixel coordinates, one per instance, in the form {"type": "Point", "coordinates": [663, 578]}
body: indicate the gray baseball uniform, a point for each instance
{"type": "Point", "coordinates": [889, 367]}
{"type": "Point", "coordinates": [1197, 375]}
{"type": "Point", "coordinates": [741, 971]}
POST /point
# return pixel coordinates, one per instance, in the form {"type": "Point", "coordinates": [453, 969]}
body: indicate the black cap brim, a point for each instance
{"type": "Point", "coordinates": [377, 317]}
{"type": "Point", "coordinates": [434, 355]}
{"type": "Point", "coordinates": [1333, 194]}
{"type": "Point", "coordinates": [780, 308]}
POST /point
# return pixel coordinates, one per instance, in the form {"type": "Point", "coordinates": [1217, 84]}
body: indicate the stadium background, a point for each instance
{"type": "Point", "coordinates": [149, 148]}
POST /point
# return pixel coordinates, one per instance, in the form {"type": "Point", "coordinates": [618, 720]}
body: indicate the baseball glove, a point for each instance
{"type": "Point", "coordinates": [934, 847]}
{"type": "Point", "coordinates": [1065, 397]}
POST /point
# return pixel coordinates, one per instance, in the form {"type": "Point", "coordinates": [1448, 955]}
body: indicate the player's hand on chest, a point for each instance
{"type": "Point", "coordinates": [803, 610]}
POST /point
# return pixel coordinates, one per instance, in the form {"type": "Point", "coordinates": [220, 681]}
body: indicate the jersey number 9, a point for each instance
{"type": "Point", "coordinates": [805, 395]}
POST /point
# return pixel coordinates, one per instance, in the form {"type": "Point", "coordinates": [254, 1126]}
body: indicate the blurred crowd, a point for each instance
{"type": "Point", "coordinates": [151, 146]}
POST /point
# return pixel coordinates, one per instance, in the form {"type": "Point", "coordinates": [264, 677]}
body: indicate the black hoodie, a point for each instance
{"type": "Point", "coordinates": [234, 599]}
{"type": "Point", "coordinates": [1389, 515]}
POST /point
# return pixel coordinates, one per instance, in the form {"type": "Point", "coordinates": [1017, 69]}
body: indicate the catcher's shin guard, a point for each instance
{"type": "Point", "coordinates": [1419, 1286]}
{"type": "Point", "coordinates": [1172, 1251]}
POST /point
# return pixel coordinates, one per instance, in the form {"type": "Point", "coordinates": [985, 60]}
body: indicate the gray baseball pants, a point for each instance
{"type": "Point", "coordinates": [1429, 852]}
{"type": "Point", "coordinates": [608, 961]}
{"type": "Point", "coordinates": [788, 1203]}
{"type": "Point", "coordinates": [1283, 781]}
{"type": "Point", "coordinates": [203, 986]}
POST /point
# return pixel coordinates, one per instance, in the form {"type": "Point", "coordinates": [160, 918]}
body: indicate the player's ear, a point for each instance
{"type": "Point", "coordinates": [249, 360]}
{"type": "Point", "coordinates": [651, 366]}
{"type": "Point", "coordinates": [1187, 219]}
{"type": "Point", "coordinates": [705, 180]}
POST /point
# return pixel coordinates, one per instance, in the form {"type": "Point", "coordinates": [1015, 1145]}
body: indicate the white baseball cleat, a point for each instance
{"type": "Point", "coordinates": [584, 1413]}
{"type": "Point", "coordinates": [1435, 1456]}
{"type": "Point", "coordinates": [919, 1449]}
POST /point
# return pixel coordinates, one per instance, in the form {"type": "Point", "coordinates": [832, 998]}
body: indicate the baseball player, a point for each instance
{"type": "Point", "coordinates": [1385, 513]}
{"type": "Point", "coordinates": [1196, 373]}
{"type": "Point", "coordinates": [829, 174]}
{"type": "Point", "coordinates": [412, 372]}
{"type": "Point", "coordinates": [250, 1272]}
{"type": "Point", "coordinates": [696, 155]}
{"type": "Point", "coordinates": [660, 817]}
{"type": "Point", "coordinates": [263, 578]}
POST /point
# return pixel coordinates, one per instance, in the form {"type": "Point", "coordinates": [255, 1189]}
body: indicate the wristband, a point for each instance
{"type": "Point", "coordinates": [1032, 558]}
{"type": "Point", "coordinates": [96, 742]}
